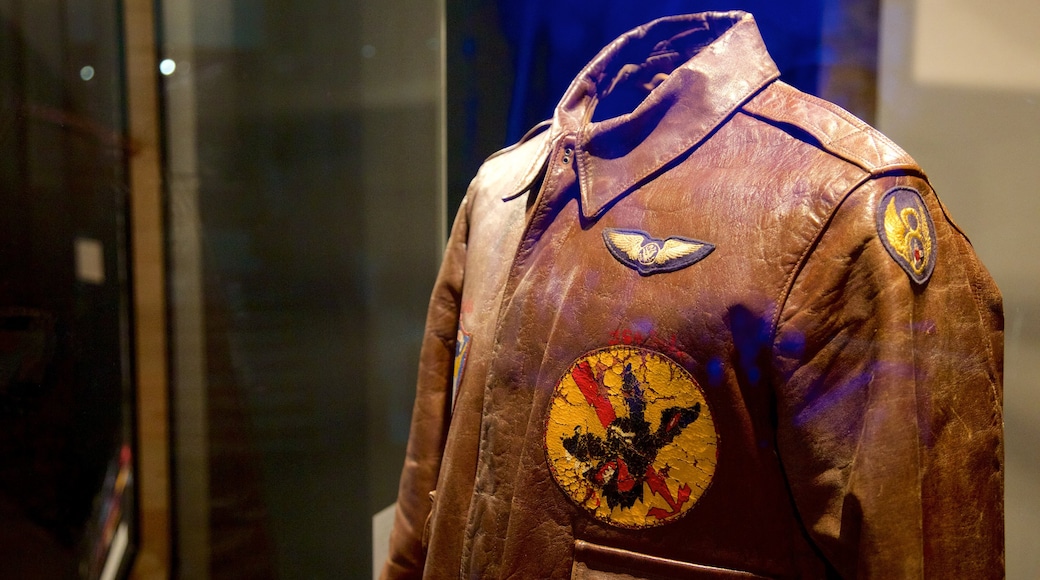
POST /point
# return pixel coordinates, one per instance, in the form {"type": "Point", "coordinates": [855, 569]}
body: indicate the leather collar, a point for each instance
{"type": "Point", "coordinates": [714, 62]}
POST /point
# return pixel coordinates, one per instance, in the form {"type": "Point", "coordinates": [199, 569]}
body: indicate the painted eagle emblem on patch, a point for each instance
{"type": "Point", "coordinates": [907, 232]}
{"type": "Point", "coordinates": [630, 438]}
{"type": "Point", "coordinates": [648, 255]}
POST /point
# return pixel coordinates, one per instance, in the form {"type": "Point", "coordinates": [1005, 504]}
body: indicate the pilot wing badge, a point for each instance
{"type": "Point", "coordinates": [648, 255]}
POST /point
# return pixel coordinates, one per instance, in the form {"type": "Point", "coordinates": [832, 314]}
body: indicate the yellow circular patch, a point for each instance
{"type": "Point", "coordinates": [630, 437]}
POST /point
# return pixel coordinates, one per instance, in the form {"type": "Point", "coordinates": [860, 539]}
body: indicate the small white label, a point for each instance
{"type": "Point", "coordinates": [382, 523]}
{"type": "Point", "coordinates": [116, 553]}
{"type": "Point", "coordinates": [90, 261]}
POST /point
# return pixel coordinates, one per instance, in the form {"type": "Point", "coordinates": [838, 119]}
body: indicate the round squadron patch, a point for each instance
{"type": "Point", "coordinates": [630, 438]}
{"type": "Point", "coordinates": [907, 231]}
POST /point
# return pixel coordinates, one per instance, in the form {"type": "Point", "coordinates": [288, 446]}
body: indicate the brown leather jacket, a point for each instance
{"type": "Point", "coordinates": [731, 333]}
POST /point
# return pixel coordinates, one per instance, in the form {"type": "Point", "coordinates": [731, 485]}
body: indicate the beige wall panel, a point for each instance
{"type": "Point", "coordinates": [985, 45]}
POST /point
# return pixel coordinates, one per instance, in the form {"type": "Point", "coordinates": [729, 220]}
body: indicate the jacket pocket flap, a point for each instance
{"type": "Point", "coordinates": [596, 562]}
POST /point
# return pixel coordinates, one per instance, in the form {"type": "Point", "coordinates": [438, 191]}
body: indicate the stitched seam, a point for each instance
{"type": "Point", "coordinates": [502, 297]}
{"type": "Point", "coordinates": [584, 174]}
{"type": "Point", "coordinates": [768, 110]}
{"type": "Point", "coordinates": [950, 220]}
{"type": "Point", "coordinates": [826, 143]}
{"type": "Point", "coordinates": [825, 140]}
{"type": "Point", "coordinates": [918, 431]}
{"type": "Point", "coordinates": [858, 124]}
{"type": "Point", "coordinates": [781, 301]}
{"type": "Point", "coordinates": [973, 283]}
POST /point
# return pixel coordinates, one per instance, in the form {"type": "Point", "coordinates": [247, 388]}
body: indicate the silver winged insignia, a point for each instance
{"type": "Point", "coordinates": [649, 255]}
{"type": "Point", "coordinates": [647, 250]}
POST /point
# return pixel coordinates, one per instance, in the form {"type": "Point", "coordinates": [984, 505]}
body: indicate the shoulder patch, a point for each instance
{"type": "Point", "coordinates": [907, 231]}
{"type": "Point", "coordinates": [648, 255]}
{"type": "Point", "coordinates": [629, 437]}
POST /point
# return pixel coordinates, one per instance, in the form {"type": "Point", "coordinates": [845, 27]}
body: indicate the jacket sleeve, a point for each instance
{"type": "Point", "coordinates": [889, 398]}
{"type": "Point", "coordinates": [431, 413]}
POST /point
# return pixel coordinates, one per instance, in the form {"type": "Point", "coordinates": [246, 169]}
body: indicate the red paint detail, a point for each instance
{"type": "Point", "coordinates": [625, 481]}
{"type": "Point", "coordinates": [917, 254]}
{"type": "Point", "coordinates": [604, 473]}
{"type": "Point", "coordinates": [659, 485]}
{"type": "Point", "coordinates": [684, 494]}
{"type": "Point", "coordinates": [629, 337]}
{"type": "Point", "coordinates": [672, 424]}
{"type": "Point", "coordinates": [589, 387]}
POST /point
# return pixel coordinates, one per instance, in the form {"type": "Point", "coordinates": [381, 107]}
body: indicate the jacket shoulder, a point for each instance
{"type": "Point", "coordinates": [512, 171]}
{"type": "Point", "coordinates": [834, 129]}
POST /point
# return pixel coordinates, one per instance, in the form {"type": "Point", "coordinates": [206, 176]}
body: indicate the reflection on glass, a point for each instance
{"type": "Point", "coordinates": [67, 453]}
{"type": "Point", "coordinates": [302, 179]}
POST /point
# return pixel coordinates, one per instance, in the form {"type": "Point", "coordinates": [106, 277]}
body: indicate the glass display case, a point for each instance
{"type": "Point", "coordinates": [306, 221]}
{"type": "Point", "coordinates": [68, 480]}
